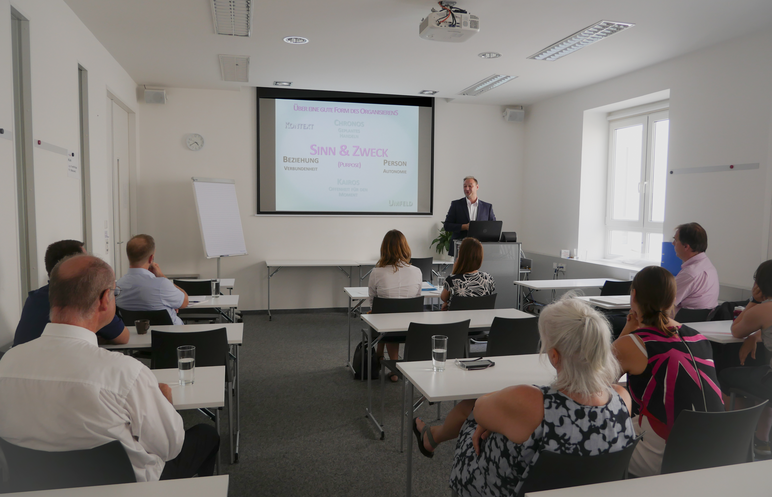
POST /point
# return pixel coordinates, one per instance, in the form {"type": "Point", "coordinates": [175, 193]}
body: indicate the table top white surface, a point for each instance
{"type": "Point", "coordinates": [716, 331]}
{"type": "Point", "coordinates": [458, 384]}
{"type": "Point", "coordinates": [361, 292]}
{"type": "Point", "coordinates": [611, 302]}
{"type": "Point", "coordinates": [235, 332]}
{"type": "Point", "coordinates": [566, 284]}
{"type": "Point", "coordinates": [400, 321]}
{"type": "Point", "coordinates": [746, 480]}
{"type": "Point", "coordinates": [208, 302]}
{"type": "Point", "coordinates": [435, 262]}
{"type": "Point", "coordinates": [309, 263]}
{"type": "Point", "coordinates": [208, 486]}
{"type": "Point", "coordinates": [207, 389]}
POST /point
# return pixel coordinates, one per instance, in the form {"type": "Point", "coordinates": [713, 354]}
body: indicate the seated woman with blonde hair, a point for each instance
{"type": "Point", "coordinates": [582, 413]}
{"type": "Point", "coordinates": [467, 280]}
{"type": "Point", "coordinates": [393, 277]}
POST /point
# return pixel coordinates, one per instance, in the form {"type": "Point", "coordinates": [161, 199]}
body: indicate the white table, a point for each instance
{"type": "Point", "coordinates": [358, 294]}
{"type": "Point", "coordinates": [227, 302]}
{"type": "Point", "coordinates": [610, 302]}
{"type": "Point", "coordinates": [716, 331]}
{"type": "Point", "coordinates": [224, 282]}
{"type": "Point", "coordinates": [744, 480]}
{"type": "Point", "coordinates": [457, 384]}
{"type": "Point", "coordinates": [206, 486]}
{"type": "Point", "coordinates": [400, 322]}
{"type": "Point", "coordinates": [565, 284]}
{"type": "Point", "coordinates": [280, 263]}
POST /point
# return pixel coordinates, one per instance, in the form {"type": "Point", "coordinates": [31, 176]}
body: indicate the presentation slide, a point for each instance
{"type": "Point", "coordinates": [346, 157]}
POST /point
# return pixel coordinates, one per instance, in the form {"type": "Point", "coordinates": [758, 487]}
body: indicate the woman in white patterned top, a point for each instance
{"type": "Point", "coordinates": [467, 280]}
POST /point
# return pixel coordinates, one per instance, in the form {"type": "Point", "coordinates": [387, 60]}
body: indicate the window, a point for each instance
{"type": "Point", "coordinates": [637, 174]}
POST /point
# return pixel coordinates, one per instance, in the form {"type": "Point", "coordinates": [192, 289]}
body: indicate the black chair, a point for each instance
{"type": "Point", "coordinates": [708, 439]}
{"type": "Point", "coordinates": [157, 318]}
{"type": "Point", "coordinates": [692, 315]}
{"type": "Point", "coordinates": [198, 287]}
{"type": "Point", "coordinates": [28, 469]}
{"type": "Point", "coordinates": [615, 288]}
{"type": "Point", "coordinates": [211, 350]}
{"type": "Point", "coordinates": [418, 347]}
{"type": "Point", "coordinates": [513, 336]}
{"type": "Point", "coordinates": [552, 470]}
{"type": "Point", "coordinates": [458, 303]}
{"type": "Point", "coordinates": [383, 305]}
{"type": "Point", "coordinates": [425, 265]}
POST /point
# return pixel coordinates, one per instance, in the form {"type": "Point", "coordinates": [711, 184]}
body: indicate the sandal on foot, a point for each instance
{"type": "Point", "coordinates": [393, 378]}
{"type": "Point", "coordinates": [420, 437]}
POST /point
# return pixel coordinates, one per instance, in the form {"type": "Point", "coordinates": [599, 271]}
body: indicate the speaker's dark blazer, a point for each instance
{"type": "Point", "coordinates": [458, 214]}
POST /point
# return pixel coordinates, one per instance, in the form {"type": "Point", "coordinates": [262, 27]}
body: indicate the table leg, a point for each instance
{"type": "Point", "coordinates": [237, 382]}
{"type": "Point", "coordinates": [217, 426]}
{"type": "Point", "coordinates": [409, 441]}
{"type": "Point", "coordinates": [269, 293]}
{"type": "Point", "coordinates": [369, 369]}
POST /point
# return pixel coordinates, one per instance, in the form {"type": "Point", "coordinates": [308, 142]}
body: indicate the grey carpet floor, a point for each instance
{"type": "Point", "coordinates": [303, 425]}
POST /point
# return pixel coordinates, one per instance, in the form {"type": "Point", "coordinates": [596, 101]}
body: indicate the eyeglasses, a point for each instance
{"type": "Point", "coordinates": [117, 290]}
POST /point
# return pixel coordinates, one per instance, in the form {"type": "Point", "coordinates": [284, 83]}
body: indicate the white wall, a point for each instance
{"type": "Point", "coordinates": [720, 113]}
{"type": "Point", "coordinates": [58, 43]}
{"type": "Point", "coordinates": [469, 139]}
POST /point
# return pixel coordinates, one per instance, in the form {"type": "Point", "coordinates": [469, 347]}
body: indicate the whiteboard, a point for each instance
{"type": "Point", "coordinates": [219, 217]}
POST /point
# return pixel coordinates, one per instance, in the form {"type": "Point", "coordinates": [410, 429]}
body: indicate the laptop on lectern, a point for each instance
{"type": "Point", "coordinates": [485, 231]}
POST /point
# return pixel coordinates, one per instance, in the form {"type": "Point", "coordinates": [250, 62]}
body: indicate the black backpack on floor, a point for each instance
{"type": "Point", "coordinates": [356, 363]}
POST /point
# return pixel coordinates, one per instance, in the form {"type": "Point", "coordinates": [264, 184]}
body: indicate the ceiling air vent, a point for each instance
{"type": "Point", "coordinates": [232, 17]}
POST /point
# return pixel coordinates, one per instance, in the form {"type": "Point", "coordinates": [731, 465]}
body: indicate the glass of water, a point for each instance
{"type": "Point", "coordinates": [439, 352]}
{"type": "Point", "coordinates": [186, 362]}
{"type": "Point", "coordinates": [214, 288]}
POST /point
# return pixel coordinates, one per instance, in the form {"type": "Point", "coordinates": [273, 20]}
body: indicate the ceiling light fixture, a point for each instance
{"type": "Point", "coordinates": [486, 84]}
{"type": "Point", "coordinates": [580, 39]}
{"type": "Point", "coordinates": [489, 55]}
{"type": "Point", "coordinates": [232, 17]}
{"type": "Point", "coordinates": [295, 40]}
{"type": "Point", "coordinates": [282, 83]}
{"type": "Point", "coordinates": [428, 92]}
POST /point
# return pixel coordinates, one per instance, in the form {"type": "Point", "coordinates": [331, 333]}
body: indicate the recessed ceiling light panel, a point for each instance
{"type": "Point", "coordinates": [232, 17]}
{"type": "Point", "coordinates": [580, 39]}
{"type": "Point", "coordinates": [282, 83]}
{"type": "Point", "coordinates": [428, 92]}
{"type": "Point", "coordinates": [295, 40]}
{"type": "Point", "coordinates": [489, 55]}
{"type": "Point", "coordinates": [486, 84]}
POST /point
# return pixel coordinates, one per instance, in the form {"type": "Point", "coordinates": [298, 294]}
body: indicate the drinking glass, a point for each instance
{"type": "Point", "coordinates": [186, 362]}
{"type": "Point", "coordinates": [439, 352]}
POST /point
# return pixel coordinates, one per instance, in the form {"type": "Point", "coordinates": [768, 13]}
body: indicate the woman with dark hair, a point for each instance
{"type": "Point", "coordinates": [755, 325]}
{"type": "Point", "coordinates": [669, 366]}
{"type": "Point", "coordinates": [393, 277]}
{"type": "Point", "coordinates": [581, 413]}
{"type": "Point", "coordinates": [467, 280]}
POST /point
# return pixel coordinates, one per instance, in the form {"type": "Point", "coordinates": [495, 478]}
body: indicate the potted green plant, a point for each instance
{"type": "Point", "coordinates": [442, 241]}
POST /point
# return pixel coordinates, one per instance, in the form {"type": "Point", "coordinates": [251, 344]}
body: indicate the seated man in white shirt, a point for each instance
{"type": "Point", "coordinates": [63, 392]}
{"type": "Point", "coordinates": [144, 287]}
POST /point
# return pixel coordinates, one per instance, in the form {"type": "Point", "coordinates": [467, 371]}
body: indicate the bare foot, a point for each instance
{"type": "Point", "coordinates": [420, 425]}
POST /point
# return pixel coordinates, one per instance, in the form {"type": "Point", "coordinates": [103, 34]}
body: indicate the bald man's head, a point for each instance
{"type": "Point", "coordinates": [78, 282]}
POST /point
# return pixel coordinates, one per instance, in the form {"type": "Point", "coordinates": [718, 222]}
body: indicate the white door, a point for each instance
{"type": "Point", "coordinates": [118, 149]}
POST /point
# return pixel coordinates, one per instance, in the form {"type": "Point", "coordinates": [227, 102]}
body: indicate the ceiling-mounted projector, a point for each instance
{"type": "Point", "coordinates": [450, 24]}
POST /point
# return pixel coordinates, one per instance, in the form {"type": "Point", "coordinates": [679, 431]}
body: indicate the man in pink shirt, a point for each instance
{"type": "Point", "coordinates": [697, 282]}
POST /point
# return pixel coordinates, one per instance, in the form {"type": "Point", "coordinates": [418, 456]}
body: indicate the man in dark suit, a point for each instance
{"type": "Point", "coordinates": [467, 209]}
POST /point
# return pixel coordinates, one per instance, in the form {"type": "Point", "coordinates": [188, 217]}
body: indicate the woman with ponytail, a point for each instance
{"type": "Point", "coordinates": [500, 435]}
{"type": "Point", "coordinates": [659, 356]}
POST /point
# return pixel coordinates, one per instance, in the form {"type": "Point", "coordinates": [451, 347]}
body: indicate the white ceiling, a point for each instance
{"type": "Point", "coordinates": [373, 46]}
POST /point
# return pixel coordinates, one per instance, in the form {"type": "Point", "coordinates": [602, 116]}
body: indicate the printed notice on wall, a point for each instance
{"type": "Point", "coordinates": [73, 165]}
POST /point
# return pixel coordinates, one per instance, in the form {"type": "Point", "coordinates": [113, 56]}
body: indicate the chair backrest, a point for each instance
{"type": "Point", "coordinates": [30, 469]}
{"type": "Point", "coordinates": [211, 347]}
{"type": "Point", "coordinates": [615, 288]}
{"type": "Point", "coordinates": [157, 318]}
{"type": "Point", "coordinates": [383, 305]}
{"type": "Point", "coordinates": [425, 265]}
{"type": "Point", "coordinates": [197, 287]}
{"type": "Point", "coordinates": [418, 344]}
{"type": "Point", "coordinates": [513, 336]}
{"type": "Point", "coordinates": [458, 303]}
{"type": "Point", "coordinates": [553, 470]}
{"type": "Point", "coordinates": [708, 439]}
{"type": "Point", "coordinates": [692, 315]}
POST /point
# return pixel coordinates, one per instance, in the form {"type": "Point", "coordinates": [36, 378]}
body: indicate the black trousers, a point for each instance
{"type": "Point", "coordinates": [198, 454]}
